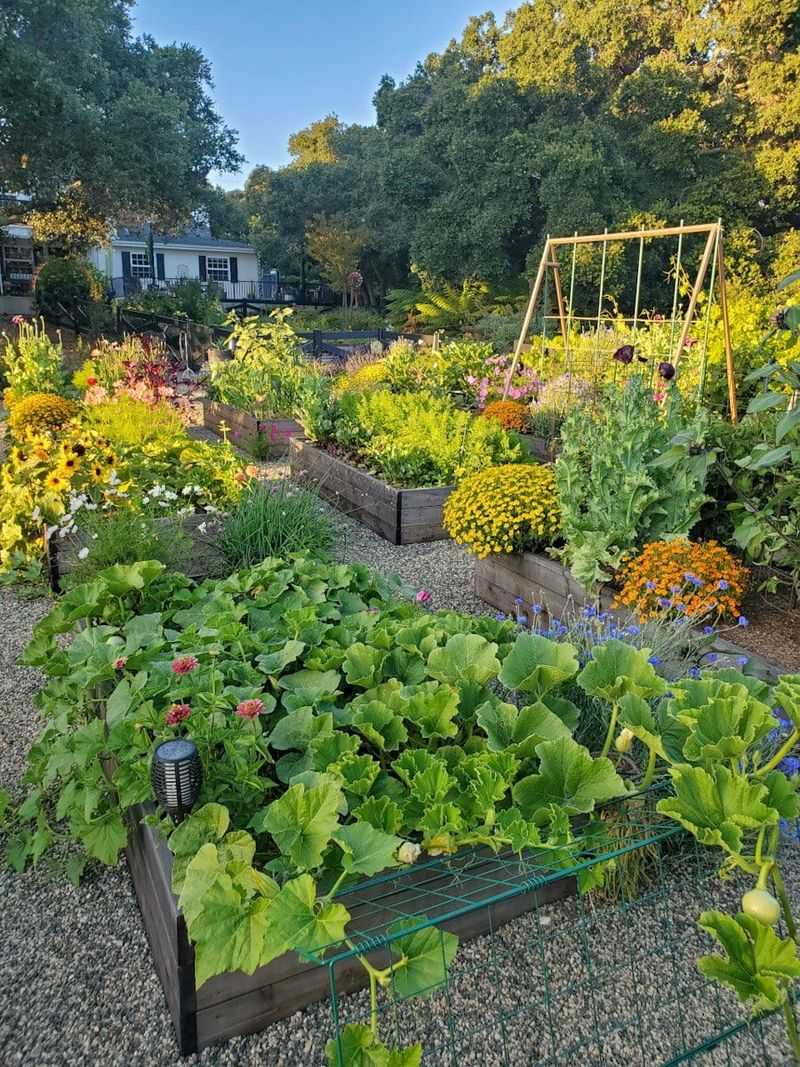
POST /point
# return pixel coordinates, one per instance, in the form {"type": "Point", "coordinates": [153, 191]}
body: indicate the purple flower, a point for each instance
{"type": "Point", "coordinates": [694, 672]}
{"type": "Point", "coordinates": [632, 631]}
{"type": "Point", "coordinates": [667, 371]}
{"type": "Point", "coordinates": [423, 597]}
{"type": "Point", "coordinates": [711, 657]}
{"type": "Point", "coordinates": [177, 713]}
{"type": "Point", "coordinates": [790, 765]}
{"type": "Point", "coordinates": [722, 584]}
{"type": "Point", "coordinates": [522, 619]}
{"type": "Point", "coordinates": [708, 631]}
{"type": "Point", "coordinates": [624, 354]}
{"type": "Point", "coordinates": [742, 661]}
{"type": "Point", "coordinates": [650, 584]}
{"type": "Point", "coordinates": [743, 621]}
{"type": "Point", "coordinates": [663, 602]}
{"type": "Point", "coordinates": [537, 609]}
{"type": "Point", "coordinates": [655, 661]}
{"type": "Point", "coordinates": [517, 599]}
{"type": "Point", "coordinates": [501, 616]}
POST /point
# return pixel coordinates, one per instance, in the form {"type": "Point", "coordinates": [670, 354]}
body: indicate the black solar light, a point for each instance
{"type": "Point", "coordinates": [177, 775]}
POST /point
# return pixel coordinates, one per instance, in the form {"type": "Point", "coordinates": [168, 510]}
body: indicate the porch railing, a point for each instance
{"type": "Point", "coordinates": [253, 292]}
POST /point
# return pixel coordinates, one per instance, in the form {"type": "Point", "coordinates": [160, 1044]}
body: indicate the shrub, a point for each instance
{"type": "Point", "coordinates": [693, 578]}
{"type": "Point", "coordinates": [501, 331]}
{"type": "Point", "coordinates": [274, 520]}
{"type": "Point", "coordinates": [265, 375]}
{"type": "Point", "coordinates": [364, 379]}
{"type": "Point", "coordinates": [420, 440]}
{"type": "Point", "coordinates": [446, 372]}
{"type": "Point", "coordinates": [69, 281]}
{"type": "Point", "coordinates": [32, 362]}
{"type": "Point", "coordinates": [128, 422]}
{"type": "Point", "coordinates": [511, 508]}
{"type": "Point", "coordinates": [509, 413]}
{"type": "Point", "coordinates": [338, 319]}
{"type": "Point", "coordinates": [190, 298]}
{"type": "Point", "coordinates": [41, 413]}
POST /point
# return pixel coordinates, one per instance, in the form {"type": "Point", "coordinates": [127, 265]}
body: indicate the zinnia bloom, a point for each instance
{"type": "Point", "coordinates": [423, 597]}
{"type": "Point", "coordinates": [120, 663]}
{"type": "Point", "coordinates": [249, 709]}
{"type": "Point", "coordinates": [177, 714]}
{"type": "Point", "coordinates": [185, 664]}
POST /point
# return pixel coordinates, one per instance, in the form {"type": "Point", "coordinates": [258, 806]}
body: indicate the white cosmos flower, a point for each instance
{"type": "Point", "coordinates": [84, 552]}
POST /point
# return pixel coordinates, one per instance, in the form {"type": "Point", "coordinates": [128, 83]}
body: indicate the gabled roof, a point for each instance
{"type": "Point", "coordinates": [180, 240]}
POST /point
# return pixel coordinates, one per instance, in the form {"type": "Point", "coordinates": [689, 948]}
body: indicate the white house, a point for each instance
{"type": "Point", "coordinates": [230, 265]}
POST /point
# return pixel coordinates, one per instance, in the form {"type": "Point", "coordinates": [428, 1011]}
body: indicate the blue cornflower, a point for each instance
{"type": "Point", "coordinates": [632, 631]}
{"type": "Point", "coordinates": [743, 621]}
{"type": "Point", "coordinates": [711, 657]}
{"type": "Point", "coordinates": [674, 589]}
{"type": "Point", "coordinates": [692, 579]}
{"type": "Point", "coordinates": [663, 602]}
{"type": "Point", "coordinates": [722, 584]}
{"type": "Point", "coordinates": [790, 828]}
{"type": "Point", "coordinates": [790, 765]}
{"type": "Point", "coordinates": [680, 607]}
{"type": "Point", "coordinates": [708, 630]}
{"type": "Point", "coordinates": [522, 619]}
{"type": "Point", "coordinates": [742, 661]}
{"type": "Point", "coordinates": [589, 612]}
{"type": "Point", "coordinates": [613, 631]}
{"type": "Point", "coordinates": [785, 722]}
{"type": "Point", "coordinates": [517, 599]}
{"type": "Point", "coordinates": [694, 672]}
{"type": "Point", "coordinates": [650, 584]}
{"type": "Point", "coordinates": [537, 609]}
{"type": "Point", "coordinates": [655, 661]}
{"type": "Point", "coordinates": [604, 616]}
{"type": "Point", "coordinates": [501, 616]}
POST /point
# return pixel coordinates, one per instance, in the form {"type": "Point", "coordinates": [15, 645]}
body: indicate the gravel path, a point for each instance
{"type": "Point", "coordinates": [78, 988]}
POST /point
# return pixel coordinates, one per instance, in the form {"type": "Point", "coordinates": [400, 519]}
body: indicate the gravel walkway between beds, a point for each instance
{"type": "Point", "coordinates": [78, 988]}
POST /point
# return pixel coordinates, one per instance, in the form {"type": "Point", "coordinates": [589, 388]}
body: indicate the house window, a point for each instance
{"type": "Point", "coordinates": [218, 269]}
{"type": "Point", "coordinates": [140, 265]}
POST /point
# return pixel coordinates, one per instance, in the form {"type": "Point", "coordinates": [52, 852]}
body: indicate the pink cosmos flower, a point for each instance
{"type": "Point", "coordinates": [17, 319]}
{"type": "Point", "coordinates": [185, 664]}
{"type": "Point", "coordinates": [423, 597]}
{"type": "Point", "coordinates": [249, 709]}
{"type": "Point", "coordinates": [177, 714]}
{"type": "Point", "coordinates": [120, 663]}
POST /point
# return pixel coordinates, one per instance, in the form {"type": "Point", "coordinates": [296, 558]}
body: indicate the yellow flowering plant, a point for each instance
{"type": "Point", "coordinates": [510, 508]}
{"type": "Point", "coordinates": [41, 413]}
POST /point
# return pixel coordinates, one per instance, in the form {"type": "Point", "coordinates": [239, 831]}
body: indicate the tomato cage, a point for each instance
{"type": "Point", "coordinates": [544, 976]}
{"type": "Point", "coordinates": [652, 302]}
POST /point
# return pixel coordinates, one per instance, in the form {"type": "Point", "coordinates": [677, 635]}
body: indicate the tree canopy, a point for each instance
{"type": "Point", "coordinates": [121, 128]}
{"type": "Point", "coordinates": [572, 114]}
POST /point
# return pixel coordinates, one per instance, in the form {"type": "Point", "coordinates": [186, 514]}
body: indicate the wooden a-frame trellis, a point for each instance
{"type": "Point", "coordinates": [713, 255]}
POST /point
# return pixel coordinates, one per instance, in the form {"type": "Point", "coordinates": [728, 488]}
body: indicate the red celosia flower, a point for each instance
{"type": "Point", "coordinates": [177, 714]}
{"type": "Point", "coordinates": [184, 664]}
{"type": "Point", "coordinates": [249, 709]}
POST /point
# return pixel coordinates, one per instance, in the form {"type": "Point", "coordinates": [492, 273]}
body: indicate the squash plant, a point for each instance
{"type": "Point", "coordinates": [343, 731]}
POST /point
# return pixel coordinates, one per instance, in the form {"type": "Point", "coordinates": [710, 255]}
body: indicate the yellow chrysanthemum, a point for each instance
{"type": "Point", "coordinates": [504, 509]}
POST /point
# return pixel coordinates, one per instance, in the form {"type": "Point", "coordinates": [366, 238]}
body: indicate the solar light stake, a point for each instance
{"type": "Point", "coordinates": [176, 775]}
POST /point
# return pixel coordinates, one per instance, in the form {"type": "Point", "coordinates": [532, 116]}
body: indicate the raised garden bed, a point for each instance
{"type": "Point", "coordinates": [236, 1003]}
{"type": "Point", "coordinates": [202, 559]}
{"type": "Point", "coordinates": [264, 437]}
{"type": "Point", "coordinates": [402, 516]}
{"type": "Point", "coordinates": [540, 448]}
{"type": "Point", "coordinates": [501, 579]}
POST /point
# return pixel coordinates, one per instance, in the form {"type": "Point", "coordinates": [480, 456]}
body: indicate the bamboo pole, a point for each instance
{"type": "Point", "coordinates": [701, 385]}
{"type": "Point", "coordinates": [698, 285]}
{"type": "Point", "coordinates": [726, 327]}
{"type": "Point", "coordinates": [523, 333]}
{"type": "Point", "coordinates": [560, 302]}
{"type": "Point", "coordinates": [629, 235]}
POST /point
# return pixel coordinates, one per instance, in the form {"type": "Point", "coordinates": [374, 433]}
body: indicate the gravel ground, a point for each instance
{"type": "Point", "coordinates": [77, 984]}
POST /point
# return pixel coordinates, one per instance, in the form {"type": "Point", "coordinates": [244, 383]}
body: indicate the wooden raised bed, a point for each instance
{"type": "Point", "coordinates": [500, 579]}
{"type": "Point", "coordinates": [540, 447]}
{"type": "Point", "coordinates": [236, 1003]}
{"type": "Point", "coordinates": [402, 516]}
{"type": "Point", "coordinates": [202, 560]}
{"type": "Point", "coordinates": [265, 437]}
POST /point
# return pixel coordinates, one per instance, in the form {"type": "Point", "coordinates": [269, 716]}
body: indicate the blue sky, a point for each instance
{"type": "Point", "coordinates": [279, 66]}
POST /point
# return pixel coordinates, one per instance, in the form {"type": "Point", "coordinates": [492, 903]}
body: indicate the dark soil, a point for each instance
{"type": "Point", "coordinates": [773, 629]}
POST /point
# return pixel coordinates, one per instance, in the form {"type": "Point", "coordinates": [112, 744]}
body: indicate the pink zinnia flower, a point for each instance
{"type": "Point", "coordinates": [249, 709]}
{"type": "Point", "coordinates": [184, 664]}
{"type": "Point", "coordinates": [423, 597]}
{"type": "Point", "coordinates": [177, 714]}
{"type": "Point", "coordinates": [120, 663]}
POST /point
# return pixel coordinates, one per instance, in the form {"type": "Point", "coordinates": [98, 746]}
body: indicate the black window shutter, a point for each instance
{"type": "Point", "coordinates": [201, 263]}
{"type": "Point", "coordinates": [126, 264]}
{"type": "Point", "coordinates": [160, 266]}
{"type": "Point", "coordinates": [234, 268]}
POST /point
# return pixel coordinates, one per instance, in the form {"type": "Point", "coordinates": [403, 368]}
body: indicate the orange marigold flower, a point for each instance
{"type": "Point", "coordinates": [509, 413]}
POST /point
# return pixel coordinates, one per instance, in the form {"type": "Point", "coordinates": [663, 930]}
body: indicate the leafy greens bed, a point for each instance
{"type": "Point", "coordinates": [343, 730]}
